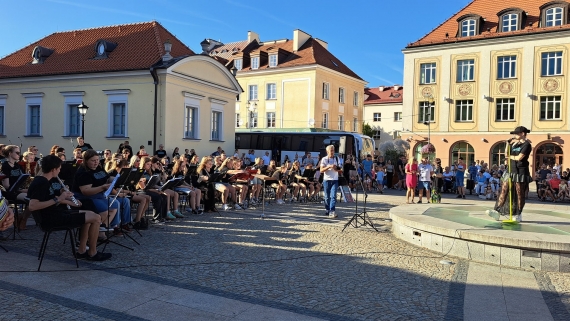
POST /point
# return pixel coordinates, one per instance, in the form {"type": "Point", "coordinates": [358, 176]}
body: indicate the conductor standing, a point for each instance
{"type": "Point", "coordinates": [329, 167]}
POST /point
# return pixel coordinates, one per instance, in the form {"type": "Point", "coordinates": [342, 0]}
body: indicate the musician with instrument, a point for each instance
{"type": "Point", "coordinates": [256, 183]}
{"type": "Point", "coordinates": [12, 170]}
{"type": "Point", "coordinates": [158, 198]}
{"type": "Point", "coordinates": [228, 190]}
{"type": "Point", "coordinates": [281, 185]}
{"type": "Point", "coordinates": [204, 172]}
{"type": "Point", "coordinates": [296, 181]}
{"type": "Point", "coordinates": [312, 183]}
{"type": "Point", "coordinates": [57, 208]}
{"type": "Point", "coordinates": [194, 195]}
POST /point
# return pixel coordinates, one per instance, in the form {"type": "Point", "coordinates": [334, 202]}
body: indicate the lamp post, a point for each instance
{"type": "Point", "coordinates": [251, 106]}
{"type": "Point", "coordinates": [82, 110]}
{"type": "Point", "coordinates": [427, 119]}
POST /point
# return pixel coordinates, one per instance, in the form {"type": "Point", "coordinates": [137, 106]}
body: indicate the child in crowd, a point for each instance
{"type": "Point", "coordinates": [563, 191]}
{"type": "Point", "coordinates": [352, 183]}
{"type": "Point", "coordinates": [368, 182]}
{"type": "Point", "coordinates": [380, 179]}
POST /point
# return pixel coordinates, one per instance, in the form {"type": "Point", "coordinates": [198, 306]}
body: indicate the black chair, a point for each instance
{"type": "Point", "coordinates": [47, 232]}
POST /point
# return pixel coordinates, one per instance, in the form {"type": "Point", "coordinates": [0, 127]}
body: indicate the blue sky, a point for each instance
{"type": "Point", "coordinates": [368, 36]}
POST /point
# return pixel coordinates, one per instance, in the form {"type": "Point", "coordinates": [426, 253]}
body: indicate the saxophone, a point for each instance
{"type": "Point", "coordinates": [30, 178]}
{"type": "Point", "coordinates": [73, 199]}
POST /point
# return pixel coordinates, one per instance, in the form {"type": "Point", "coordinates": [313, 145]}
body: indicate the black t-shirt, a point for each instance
{"type": "Point", "coordinates": [43, 190]}
{"type": "Point", "coordinates": [160, 153]}
{"type": "Point", "coordinates": [95, 178]}
{"type": "Point", "coordinates": [84, 147]}
{"type": "Point", "coordinates": [12, 172]}
{"type": "Point", "coordinates": [400, 165]}
{"type": "Point", "coordinates": [517, 149]}
{"type": "Point", "coordinates": [542, 173]}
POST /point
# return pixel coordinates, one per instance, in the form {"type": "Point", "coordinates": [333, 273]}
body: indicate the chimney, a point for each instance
{"type": "Point", "coordinates": [381, 88]}
{"type": "Point", "coordinates": [323, 43]}
{"type": "Point", "coordinates": [299, 39]}
{"type": "Point", "coordinates": [205, 46]}
{"type": "Point", "coordinates": [396, 87]}
{"type": "Point", "coordinates": [167, 48]}
{"type": "Point", "coordinates": [251, 36]}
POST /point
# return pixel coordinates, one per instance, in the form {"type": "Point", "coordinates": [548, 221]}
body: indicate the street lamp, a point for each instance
{"type": "Point", "coordinates": [251, 106]}
{"type": "Point", "coordinates": [82, 110]}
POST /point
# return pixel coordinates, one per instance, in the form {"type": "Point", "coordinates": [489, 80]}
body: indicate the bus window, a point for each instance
{"type": "Point", "coordinates": [266, 142]}
{"type": "Point", "coordinates": [301, 143]}
{"type": "Point", "coordinates": [243, 141]}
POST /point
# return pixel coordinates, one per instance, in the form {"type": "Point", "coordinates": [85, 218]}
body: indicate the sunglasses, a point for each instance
{"type": "Point", "coordinates": [17, 153]}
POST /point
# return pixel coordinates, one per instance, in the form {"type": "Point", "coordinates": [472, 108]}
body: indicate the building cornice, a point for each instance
{"type": "Point", "coordinates": [217, 101]}
{"type": "Point", "coordinates": [554, 34]}
{"type": "Point", "coordinates": [203, 82]}
{"type": "Point", "coordinates": [192, 95]}
{"type": "Point", "coordinates": [72, 93]}
{"type": "Point", "coordinates": [117, 92]}
{"type": "Point", "coordinates": [279, 70]}
{"type": "Point", "coordinates": [76, 76]}
{"type": "Point", "coordinates": [3, 96]}
{"type": "Point", "coordinates": [33, 95]}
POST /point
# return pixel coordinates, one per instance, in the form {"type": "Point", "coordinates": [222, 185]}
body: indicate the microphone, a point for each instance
{"type": "Point", "coordinates": [21, 143]}
{"type": "Point", "coordinates": [10, 142]}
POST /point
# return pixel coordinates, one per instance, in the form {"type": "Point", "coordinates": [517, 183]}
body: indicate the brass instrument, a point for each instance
{"type": "Point", "coordinates": [30, 178]}
{"type": "Point", "coordinates": [73, 199]}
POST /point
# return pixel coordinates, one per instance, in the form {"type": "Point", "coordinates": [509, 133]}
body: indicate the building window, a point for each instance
{"type": "Point", "coordinates": [34, 120]}
{"type": "Point", "coordinates": [507, 67]}
{"type": "Point", "coordinates": [377, 134]}
{"type": "Point", "coordinates": [341, 95]}
{"type": "Point", "coordinates": [426, 112]}
{"type": "Point", "coordinates": [325, 120]}
{"type": "Point", "coordinates": [552, 63]}
{"type": "Point", "coordinates": [468, 28]}
{"type": "Point", "coordinates": [271, 120]}
{"type": "Point", "coordinates": [550, 108]}
{"type": "Point", "coordinates": [427, 73]}
{"type": "Point", "coordinates": [554, 17]}
{"type": "Point", "coordinates": [498, 154]}
{"type": "Point", "coordinates": [252, 92]}
{"type": "Point", "coordinates": [216, 125]}
{"type": "Point", "coordinates": [326, 91]}
{"type": "Point", "coordinates": [237, 120]}
{"type": "Point", "coordinates": [465, 70]}
{"type": "Point", "coordinates": [398, 116]}
{"type": "Point", "coordinates": [2, 120]}
{"type": "Point", "coordinates": [509, 22]}
{"type": "Point", "coordinates": [463, 150]}
{"type": "Point", "coordinates": [355, 124]}
{"type": "Point", "coordinates": [253, 120]}
{"type": "Point", "coordinates": [272, 60]}
{"type": "Point", "coordinates": [271, 91]}
{"type": "Point", "coordinates": [505, 109]}
{"type": "Point", "coordinates": [355, 99]}
{"type": "Point", "coordinates": [464, 110]}
{"type": "Point", "coordinates": [238, 63]}
{"type": "Point", "coordinates": [190, 122]}
{"type": "Point", "coordinates": [119, 120]}
{"type": "Point", "coordinates": [255, 63]}
{"type": "Point", "coordinates": [377, 116]}
{"type": "Point", "coordinates": [73, 121]}
{"type": "Point", "coordinates": [340, 122]}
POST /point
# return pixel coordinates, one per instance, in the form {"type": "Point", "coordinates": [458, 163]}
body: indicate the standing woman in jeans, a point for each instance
{"type": "Point", "coordinates": [329, 167]}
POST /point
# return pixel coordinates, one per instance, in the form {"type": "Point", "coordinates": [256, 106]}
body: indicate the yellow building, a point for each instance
{"type": "Point", "coordinates": [490, 67]}
{"type": "Point", "coordinates": [291, 84]}
{"type": "Point", "coordinates": [140, 82]}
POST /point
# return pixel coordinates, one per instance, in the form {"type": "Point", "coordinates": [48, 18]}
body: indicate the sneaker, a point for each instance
{"type": "Point", "coordinates": [518, 218]}
{"type": "Point", "coordinates": [332, 214]}
{"type": "Point", "coordinates": [463, 196]}
{"type": "Point", "coordinates": [170, 217]}
{"type": "Point", "coordinates": [494, 214]}
{"type": "Point", "coordinates": [237, 207]}
{"type": "Point", "coordinates": [99, 256]}
{"type": "Point", "coordinates": [226, 207]}
{"type": "Point", "coordinates": [177, 214]}
{"type": "Point", "coordinates": [280, 202]}
{"type": "Point", "coordinates": [159, 221]}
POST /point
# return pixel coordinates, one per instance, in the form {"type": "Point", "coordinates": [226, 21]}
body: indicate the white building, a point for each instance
{"type": "Point", "coordinates": [383, 111]}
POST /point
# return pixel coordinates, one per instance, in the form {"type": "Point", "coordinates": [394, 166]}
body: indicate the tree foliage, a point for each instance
{"type": "Point", "coordinates": [367, 129]}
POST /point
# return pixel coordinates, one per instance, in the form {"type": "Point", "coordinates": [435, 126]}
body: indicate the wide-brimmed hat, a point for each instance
{"type": "Point", "coordinates": [520, 129]}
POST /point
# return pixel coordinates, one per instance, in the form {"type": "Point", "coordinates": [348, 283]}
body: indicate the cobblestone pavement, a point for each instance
{"type": "Point", "coordinates": [295, 260]}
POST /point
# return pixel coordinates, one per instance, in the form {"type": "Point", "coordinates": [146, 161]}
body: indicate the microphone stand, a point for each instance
{"type": "Point", "coordinates": [360, 215]}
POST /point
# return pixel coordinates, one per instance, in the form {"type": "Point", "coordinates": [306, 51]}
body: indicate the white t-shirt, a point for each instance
{"type": "Point", "coordinates": [330, 175]}
{"type": "Point", "coordinates": [425, 172]}
{"type": "Point", "coordinates": [448, 176]}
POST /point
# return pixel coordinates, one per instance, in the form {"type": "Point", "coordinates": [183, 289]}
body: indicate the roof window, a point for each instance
{"type": "Point", "coordinates": [40, 54]}
{"type": "Point", "coordinates": [554, 13]}
{"type": "Point", "coordinates": [469, 25]}
{"type": "Point", "coordinates": [103, 48]}
{"type": "Point", "coordinates": [511, 19]}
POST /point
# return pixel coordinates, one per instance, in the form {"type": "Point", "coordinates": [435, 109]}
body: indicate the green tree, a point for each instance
{"type": "Point", "coordinates": [367, 130]}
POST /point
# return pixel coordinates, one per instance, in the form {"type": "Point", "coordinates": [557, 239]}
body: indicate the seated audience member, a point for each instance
{"type": "Point", "coordinates": [48, 197]}
{"type": "Point", "coordinates": [12, 171]}
{"type": "Point", "coordinates": [312, 183]}
{"type": "Point", "coordinates": [554, 187]}
{"type": "Point", "coordinates": [563, 189]}
{"type": "Point", "coordinates": [82, 144]}
{"type": "Point", "coordinates": [481, 183]}
{"type": "Point", "coordinates": [281, 186]}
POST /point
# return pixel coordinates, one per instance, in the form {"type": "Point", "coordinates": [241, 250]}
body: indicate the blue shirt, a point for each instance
{"type": "Point", "coordinates": [481, 179]}
{"type": "Point", "coordinates": [367, 165]}
{"type": "Point", "coordinates": [460, 174]}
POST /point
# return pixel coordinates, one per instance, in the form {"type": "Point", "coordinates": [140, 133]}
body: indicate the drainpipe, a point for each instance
{"type": "Point", "coordinates": [155, 77]}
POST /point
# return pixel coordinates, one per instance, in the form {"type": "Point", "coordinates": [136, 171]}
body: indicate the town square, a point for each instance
{"type": "Point", "coordinates": [242, 160]}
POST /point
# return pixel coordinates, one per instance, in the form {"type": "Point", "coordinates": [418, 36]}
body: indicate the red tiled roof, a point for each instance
{"type": "Point", "coordinates": [488, 10]}
{"type": "Point", "coordinates": [139, 46]}
{"type": "Point", "coordinates": [387, 96]}
{"type": "Point", "coordinates": [227, 50]}
{"type": "Point", "coordinates": [310, 53]}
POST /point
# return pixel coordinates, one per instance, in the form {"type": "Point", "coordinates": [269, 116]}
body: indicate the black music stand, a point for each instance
{"type": "Point", "coordinates": [67, 172]}
{"type": "Point", "coordinates": [128, 179]}
{"type": "Point", "coordinates": [360, 215]}
{"type": "Point", "coordinates": [13, 190]}
{"type": "Point", "coordinates": [108, 240]}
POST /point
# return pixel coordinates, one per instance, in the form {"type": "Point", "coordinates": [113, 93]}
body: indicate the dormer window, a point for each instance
{"type": "Point", "coordinates": [103, 48]}
{"type": "Point", "coordinates": [40, 54]}
{"type": "Point", "coordinates": [255, 63]}
{"type": "Point", "coordinates": [468, 28]}
{"type": "Point", "coordinates": [273, 60]}
{"type": "Point", "coordinates": [469, 25]}
{"type": "Point", "coordinates": [238, 63]}
{"type": "Point", "coordinates": [510, 19]}
{"type": "Point", "coordinates": [554, 13]}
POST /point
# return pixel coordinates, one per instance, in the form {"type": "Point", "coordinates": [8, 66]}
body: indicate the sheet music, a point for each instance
{"type": "Point", "coordinates": [110, 189]}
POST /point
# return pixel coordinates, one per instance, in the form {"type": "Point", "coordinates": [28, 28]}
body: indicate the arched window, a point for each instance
{"type": "Point", "coordinates": [549, 154]}
{"type": "Point", "coordinates": [498, 154]}
{"type": "Point", "coordinates": [468, 28]}
{"type": "Point", "coordinates": [511, 19]}
{"type": "Point", "coordinates": [469, 25]}
{"type": "Point", "coordinates": [554, 13]}
{"type": "Point", "coordinates": [553, 17]}
{"type": "Point", "coordinates": [463, 150]}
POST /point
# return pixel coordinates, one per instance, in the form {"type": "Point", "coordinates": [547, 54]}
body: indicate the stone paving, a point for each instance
{"type": "Point", "coordinates": [295, 264]}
